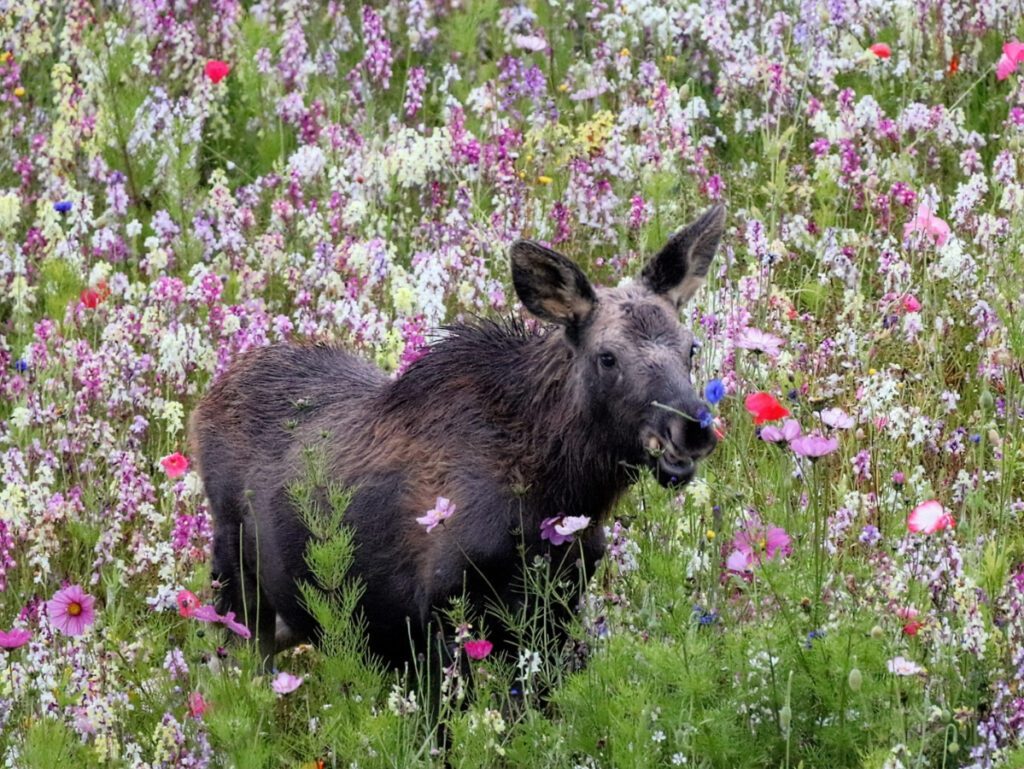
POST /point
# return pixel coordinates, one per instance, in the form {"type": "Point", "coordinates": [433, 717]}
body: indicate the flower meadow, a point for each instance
{"type": "Point", "coordinates": [844, 583]}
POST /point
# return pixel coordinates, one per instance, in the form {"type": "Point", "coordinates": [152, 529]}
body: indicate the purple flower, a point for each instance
{"type": "Point", "coordinates": [62, 206]}
{"type": "Point", "coordinates": [814, 445]}
{"type": "Point", "coordinates": [790, 431]}
{"type": "Point", "coordinates": [755, 542]}
{"type": "Point", "coordinates": [560, 529]}
{"type": "Point", "coordinates": [14, 639]}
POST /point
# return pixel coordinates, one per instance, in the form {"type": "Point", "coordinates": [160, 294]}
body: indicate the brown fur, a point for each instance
{"type": "Point", "coordinates": [514, 427]}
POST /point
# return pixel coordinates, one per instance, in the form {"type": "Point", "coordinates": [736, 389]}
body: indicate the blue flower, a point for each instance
{"type": "Point", "coordinates": [705, 418]}
{"type": "Point", "coordinates": [714, 391]}
{"type": "Point", "coordinates": [62, 206]}
{"type": "Point", "coordinates": [21, 365]}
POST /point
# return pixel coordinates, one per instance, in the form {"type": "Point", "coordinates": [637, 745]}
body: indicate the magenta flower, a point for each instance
{"type": "Point", "coordinates": [927, 222]}
{"type": "Point", "coordinates": [814, 445]}
{"type": "Point", "coordinates": [1013, 54]}
{"type": "Point", "coordinates": [14, 639]}
{"type": "Point", "coordinates": [285, 683]}
{"type": "Point", "coordinates": [174, 465]}
{"type": "Point", "coordinates": [71, 610]}
{"type": "Point", "coordinates": [477, 650]}
{"type": "Point", "coordinates": [206, 613]}
{"type": "Point", "coordinates": [443, 510]}
{"type": "Point", "coordinates": [760, 341]}
{"type": "Point", "coordinates": [228, 620]}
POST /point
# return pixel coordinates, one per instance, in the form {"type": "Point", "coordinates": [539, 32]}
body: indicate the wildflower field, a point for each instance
{"type": "Point", "coordinates": [842, 586]}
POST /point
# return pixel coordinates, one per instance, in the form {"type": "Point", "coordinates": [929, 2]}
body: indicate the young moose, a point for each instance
{"type": "Point", "coordinates": [514, 427]}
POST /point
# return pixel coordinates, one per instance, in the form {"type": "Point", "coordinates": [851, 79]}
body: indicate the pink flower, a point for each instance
{"type": "Point", "coordinates": [443, 510]}
{"type": "Point", "coordinates": [911, 628]}
{"type": "Point", "coordinates": [881, 50]}
{"type": "Point", "coordinates": [477, 650]}
{"type": "Point", "coordinates": [228, 620]}
{"type": "Point", "coordinates": [929, 517]}
{"type": "Point", "coordinates": [1013, 54]}
{"type": "Point", "coordinates": [205, 613]}
{"type": "Point", "coordinates": [196, 705]}
{"type": "Point", "coordinates": [188, 602]}
{"type": "Point", "coordinates": [790, 431]}
{"type": "Point", "coordinates": [217, 70]}
{"type": "Point", "coordinates": [760, 341]}
{"type": "Point", "coordinates": [14, 639]}
{"type": "Point", "coordinates": [560, 529]}
{"type": "Point", "coordinates": [529, 42]}
{"type": "Point", "coordinates": [285, 683]}
{"type": "Point", "coordinates": [927, 222]}
{"type": "Point", "coordinates": [837, 418]}
{"type": "Point", "coordinates": [910, 303]}
{"type": "Point", "coordinates": [814, 445]}
{"type": "Point", "coordinates": [901, 666]}
{"type": "Point", "coordinates": [906, 612]}
{"type": "Point", "coordinates": [71, 610]}
{"type": "Point", "coordinates": [174, 465]}
{"type": "Point", "coordinates": [757, 541]}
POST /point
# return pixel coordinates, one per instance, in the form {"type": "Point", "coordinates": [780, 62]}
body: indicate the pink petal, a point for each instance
{"type": "Point", "coordinates": [928, 518]}
{"type": "Point", "coordinates": [738, 560]}
{"type": "Point", "coordinates": [1014, 51]}
{"type": "Point", "coordinates": [1005, 67]}
{"type": "Point", "coordinates": [791, 429]}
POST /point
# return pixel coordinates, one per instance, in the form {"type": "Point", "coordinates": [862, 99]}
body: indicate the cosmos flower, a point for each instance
{"type": "Point", "coordinates": [443, 510]}
{"type": "Point", "coordinates": [561, 529]}
{"type": "Point", "coordinates": [14, 639]}
{"type": "Point", "coordinates": [837, 418]}
{"type": "Point", "coordinates": [901, 666]}
{"type": "Point", "coordinates": [71, 610]}
{"type": "Point", "coordinates": [285, 683]}
{"type": "Point", "coordinates": [760, 341]}
{"type": "Point", "coordinates": [814, 445]}
{"type": "Point", "coordinates": [790, 431]}
{"type": "Point", "coordinates": [757, 541]}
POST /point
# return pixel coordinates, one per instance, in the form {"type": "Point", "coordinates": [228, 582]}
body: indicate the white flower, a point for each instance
{"type": "Point", "coordinates": [571, 524]}
{"type": "Point", "coordinates": [901, 666]}
{"type": "Point", "coordinates": [307, 162]}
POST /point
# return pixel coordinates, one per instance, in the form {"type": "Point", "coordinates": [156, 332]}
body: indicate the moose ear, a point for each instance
{"type": "Point", "coordinates": [551, 286]}
{"type": "Point", "coordinates": [681, 267]}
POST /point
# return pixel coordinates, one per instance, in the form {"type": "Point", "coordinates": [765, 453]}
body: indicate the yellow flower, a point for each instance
{"type": "Point", "coordinates": [544, 179]}
{"type": "Point", "coordinates": [872, 371]}
{"type": "Point", "coordinates": [19, 91]}
{"type": "Point", "coordinates": [563, 87]}
{"type": "Point", "coordinates": [710, 534]}
{"type": "Point", "coordinates": [669, 58]}
{"type": "Point", "coordinates": [624, 52]}
{"type": "Point", "coordinates": [4, 57]}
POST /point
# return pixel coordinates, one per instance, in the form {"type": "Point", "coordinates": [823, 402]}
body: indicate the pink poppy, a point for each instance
{"type": "Point", "coordinates": [285, 683]}
{"type": "Point", "coordinates": [188, 602]}
{"type": "Point", "coordinates": [1013, 54]}
{"type": "Point", "coordinates": [196, 705]}
{"type": "Point", "coordinates": [927, 222]}
{"type": "Point", "coordinates": [71, 610]}
{"type": "Point", "coordinates": [929, 517]}
{"type": "Point", "coordinates": [217, 70]}
{"type": "Point", "coordinates": [881, 50]}
{"type": "Point", "coordinates": [14, 639]}
{"type": "Point", "coordinates": [477, 650]}
{"type": "Point", "coordinates": [443, 510]}
{"type": "Point", "coordinates": [814, 445]}
{"type": "Point", "coordinates": [174, 465]}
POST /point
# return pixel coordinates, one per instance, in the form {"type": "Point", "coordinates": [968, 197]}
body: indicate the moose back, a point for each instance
{"type": "Point", "coordinates": [514, 427]}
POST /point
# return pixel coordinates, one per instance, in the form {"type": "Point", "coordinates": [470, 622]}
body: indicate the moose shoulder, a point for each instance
{"type": "Point", "coordinates": [514, 427]}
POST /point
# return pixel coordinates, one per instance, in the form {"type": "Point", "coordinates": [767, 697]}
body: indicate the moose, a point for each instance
{"type": "Point", "coordinates": [514, 425]}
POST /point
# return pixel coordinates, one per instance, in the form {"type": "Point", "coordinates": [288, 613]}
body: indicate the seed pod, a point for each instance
{"type": "Point", "coordinates": [855, 679]}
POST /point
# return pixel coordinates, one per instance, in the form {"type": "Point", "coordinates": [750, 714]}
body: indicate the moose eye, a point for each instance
{"type": "Point", "coordinates": [694, 348]}
{"type": "Point", "coordinates": [607, 360]}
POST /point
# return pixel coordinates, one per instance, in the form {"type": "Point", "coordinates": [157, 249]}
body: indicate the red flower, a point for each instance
{"type": "Point", "coordinates": [90, 298]}
{"type": "Point", "coordinates": [217, 70]}
{"type": "Point", "coordinates": [881, 50]}
{"type": "Point", "coordinates": [911, 628]}
{"type": "Point", "coordinates": [188, 602]}
{"type": "Point", "coordinates": [477, 650]}
{"type": "Point", "coordinates": [764, 407]}
{"type": "Point", "coordinates": [174, 465]}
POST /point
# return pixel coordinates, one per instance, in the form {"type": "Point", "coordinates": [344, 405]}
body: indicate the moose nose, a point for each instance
{"type": "Point", "coordinates": [687, 433]}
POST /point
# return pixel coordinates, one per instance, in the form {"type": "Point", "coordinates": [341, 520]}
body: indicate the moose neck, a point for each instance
{"type": "Point", "coordinates": [527, 386]}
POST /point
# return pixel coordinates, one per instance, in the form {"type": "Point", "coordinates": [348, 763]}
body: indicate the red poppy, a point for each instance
{"type": "Point", "coordinates": [90, 298]}
{"type": "Point", "coordinates": [911, 628]}
{"type": "Point", "coordinates": [954, 64]}
{"type": "Point", "coordinates": [217, 70]}
{"type": "Point", "coordinates": [881, 50]}
{"type": "Point", "coordinates": [765, 407]}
